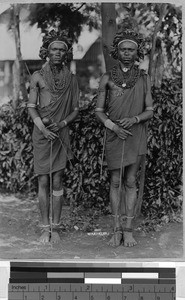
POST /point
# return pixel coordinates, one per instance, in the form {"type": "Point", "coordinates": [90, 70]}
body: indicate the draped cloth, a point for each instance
{"type": "Point", "coordinates": [56, 107]}
{"type": "Point", "coordinates": [130, 103]}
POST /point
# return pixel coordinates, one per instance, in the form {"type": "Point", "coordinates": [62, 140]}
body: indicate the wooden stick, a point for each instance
{"type": "Point", "coordinates": [51, 188]}
{"type": "Point", "coordinates": [141, 186]}
{"type": "Point", "coordinates": [121, 173]}
{"type": "Point", "coordinates": [104, 139]}
{"type": "Point", "coordinates": [120, 184]}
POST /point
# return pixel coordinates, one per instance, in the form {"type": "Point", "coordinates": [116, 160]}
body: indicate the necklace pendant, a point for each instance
{"type": "Point", "coordinates": [123, 85]}
{"type": "Point", "coordinates": [125, 69]}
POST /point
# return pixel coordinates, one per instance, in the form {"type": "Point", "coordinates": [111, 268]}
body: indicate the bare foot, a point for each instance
{"type": "Point", "coordinates": [45, 237]}
{"type": "Point", "coordinates": [116, 239]}
{"type": "Point", "coordinates": [129, 241]}
{"type": "Point", "coordinates": [55, 238]}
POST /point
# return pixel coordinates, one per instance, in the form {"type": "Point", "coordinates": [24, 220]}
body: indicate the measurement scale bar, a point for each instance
{"type": "Point", "coordinates": [102, 281]}
{"type": "Point", "coordinates": [65, 275]}
{"type": "Point", "coordinates": [140, 275]}
{"type": "Point", "coordinates": [71, 281]}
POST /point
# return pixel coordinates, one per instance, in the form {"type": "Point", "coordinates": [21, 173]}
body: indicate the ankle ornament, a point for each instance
{"type": "Point", "coordinates": [128, 229]}
{"type": "Point", "coordinates": [128, 217]}
{"type": "Point", "coordinates": [45, 228]}
{"type": "Point", "coordinates": [55, 226]}
{"type": "Point", "coordinates": [118, 229]}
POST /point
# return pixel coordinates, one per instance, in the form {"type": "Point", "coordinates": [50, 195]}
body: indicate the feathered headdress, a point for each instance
{"type": "Point", "coordinates": [127, 32]}
{"type": "Point", "coordinates": [54, 36]}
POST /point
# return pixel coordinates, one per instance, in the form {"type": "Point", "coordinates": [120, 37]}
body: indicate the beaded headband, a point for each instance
{"type": "Point", "coordinates": [57, 41]}
{"type": "Point", "coordinates": [128, 40]}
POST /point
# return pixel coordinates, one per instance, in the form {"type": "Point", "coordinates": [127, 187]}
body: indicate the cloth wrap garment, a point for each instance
{"type": "Point", "coordinates": [56, 105]}
{"type": "Point", "coordinates": [122, 105]}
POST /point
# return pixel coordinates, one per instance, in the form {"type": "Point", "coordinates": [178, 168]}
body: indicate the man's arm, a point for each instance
{"type": "Point", "coordinates": [102, 95]}
{"type": "Point", "coordinates": [70, 118]}
{"type": "Point", "coordinates": [100, 107]}
{"type": "Point", "coordinates": [32, 109]}
{"type": "Point", "coordinates": [148, 112]}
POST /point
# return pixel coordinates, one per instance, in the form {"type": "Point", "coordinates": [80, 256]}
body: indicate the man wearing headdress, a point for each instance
{"type": "Point", "coordinates": [124, 105]}
{"type": "Point", "coordinates": [53, 105]}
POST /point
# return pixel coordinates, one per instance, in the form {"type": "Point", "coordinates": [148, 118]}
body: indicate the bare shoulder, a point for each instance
{"type": "Point", "coordinates": [36, 76]}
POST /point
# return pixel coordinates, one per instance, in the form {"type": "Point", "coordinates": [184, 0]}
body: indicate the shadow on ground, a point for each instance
{"type": "Point", "coordinates": [19, 235]}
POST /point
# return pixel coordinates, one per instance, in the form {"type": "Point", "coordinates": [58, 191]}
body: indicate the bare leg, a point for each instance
{"type": "Point", "coordinates": [115, 203]}
{"type": "Point", "coordinates": [57, 204]}
{"type": "Point", "coordinates": [130, 188]}
{"type": "Point", "coordinates": [43, 196]}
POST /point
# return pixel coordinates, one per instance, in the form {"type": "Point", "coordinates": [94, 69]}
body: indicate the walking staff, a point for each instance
{"type": "Point", "coordinates": [54, 98]}
{"type": "Point", "coordinates": [124, 104]}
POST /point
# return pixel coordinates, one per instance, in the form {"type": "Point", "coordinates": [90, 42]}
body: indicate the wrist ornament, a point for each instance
{"type": "Point", "coordinates": [137, 119]}
{"type": "Point", "coordinates": [99, 109]}
{"type": "Point", "coordinates": [109, 124]}
{"type": "Point", "coordinates": [65, 122]}
{"type": "Point", "coordinates": [38, 122]}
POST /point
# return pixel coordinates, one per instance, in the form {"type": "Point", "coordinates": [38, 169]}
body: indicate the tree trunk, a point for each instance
{"type": "Point", "coordinates": [163, 11]}
{"type": "Point", "coordinates": [18, 69]}
{"type": "Point", "coordinates": [108, 13]}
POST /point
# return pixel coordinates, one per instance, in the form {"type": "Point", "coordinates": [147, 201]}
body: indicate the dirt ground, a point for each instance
{"type": "Point", "coordinates": [19, 235]}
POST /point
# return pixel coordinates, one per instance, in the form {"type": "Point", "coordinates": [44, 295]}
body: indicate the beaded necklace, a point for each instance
{"type": "Point", "coordinates": [56, 78]}
{"type": "Point", "coordinates": [125, 78]}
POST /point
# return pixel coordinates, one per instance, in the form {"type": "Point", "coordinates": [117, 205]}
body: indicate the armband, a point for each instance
{"type": "Point", "coordinates": [109, 124]}
{"type": "Point", "coordinates": [99, 109]}
{"type": "Point", "coordinates": [38, 123]}
{"type": "Point", "coordinates": [58, 193]}
{"type": "Point", "coordinates": [149, 108]}
{"type": "Point", "coordinates": [31, 105]}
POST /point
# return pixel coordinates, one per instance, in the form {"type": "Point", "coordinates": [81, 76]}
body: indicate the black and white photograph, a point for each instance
{"type": "Point", "coordinates": [91, 130]}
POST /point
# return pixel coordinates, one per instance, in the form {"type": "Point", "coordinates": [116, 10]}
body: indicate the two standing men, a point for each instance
{"type": "Point", "coordinates": [124, 94]}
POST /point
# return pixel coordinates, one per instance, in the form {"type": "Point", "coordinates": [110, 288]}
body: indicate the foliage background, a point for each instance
{"type": "Point", "coordinates": [84, 188]}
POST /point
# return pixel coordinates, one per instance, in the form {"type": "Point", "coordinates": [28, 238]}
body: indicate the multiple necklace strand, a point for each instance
{"type": "Point", "coordinates": [125, 78]}
{"type": "Point", "coordinates": [56, 78]}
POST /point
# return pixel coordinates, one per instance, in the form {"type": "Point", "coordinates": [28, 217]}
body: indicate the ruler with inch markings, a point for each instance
{"type": "Point", "coordinates": [92, 282]}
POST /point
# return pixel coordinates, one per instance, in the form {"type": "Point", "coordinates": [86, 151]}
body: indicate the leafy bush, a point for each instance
{"type": "Point", "coordinates": [16, 160]}
{"type": "Point", "coordinates": [84, 188]}
{"type": "Point", "coordinates": [88, 189]}
{"type": "Point", "coordinates": [164, 161]}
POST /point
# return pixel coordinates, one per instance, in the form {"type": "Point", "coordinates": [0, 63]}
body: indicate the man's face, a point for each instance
{"type": "Point", "coordinates": [127, 52]}
{"type": "Point", "coordinates": [56, 52]}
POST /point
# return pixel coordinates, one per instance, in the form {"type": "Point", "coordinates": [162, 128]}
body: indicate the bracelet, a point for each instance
{"type": "Point", "coordinates": [65, 122]}
{"type": "Point", "coordinates": [137, 119]}
{"type": "Point", "coordinates": [99, 109]}
{"type": "Point", "coordinates": [109, 124]}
